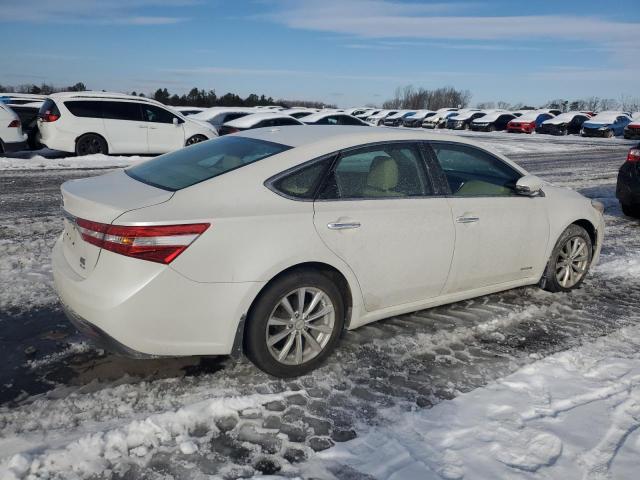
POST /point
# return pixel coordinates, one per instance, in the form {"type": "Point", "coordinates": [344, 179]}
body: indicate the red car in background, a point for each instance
{"type": "Point", "coordinates": [528, 122]}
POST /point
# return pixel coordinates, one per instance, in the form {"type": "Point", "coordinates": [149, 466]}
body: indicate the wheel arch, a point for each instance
{"type": "Point", "coordinates": [329, 270]}
{"type": "Point", "coordinates": [590, 228]}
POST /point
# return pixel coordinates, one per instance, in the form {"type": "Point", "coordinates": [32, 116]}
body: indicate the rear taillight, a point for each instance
{"type": "Point", "coordinates": [14, 124]}
{"type": "Point", "coordinates": [49, 117]}
{"type": "Point", "coordinates": [634, 155]}
{"type": "Point", "coordinates": [158, 243]}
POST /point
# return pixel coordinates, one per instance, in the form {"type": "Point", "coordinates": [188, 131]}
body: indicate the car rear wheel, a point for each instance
{"type": "Point", "coordinates": [609, 134]}
{"type": "Point", "coordinates": [195, 139]}
{"type": "Point", "coordinates": [295, 324]}
{"type": "Point", "coordinates": [569, 262]}
{"type": "Point", "coordinates": [91, 144]}
{"type": "Point", "coordinates": [491, 128]}
{"type": "Point", "coordinates": [630, 210]}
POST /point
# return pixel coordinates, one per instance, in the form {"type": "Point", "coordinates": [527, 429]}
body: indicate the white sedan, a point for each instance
{"type": "Point", "coordinates": [275, 240]}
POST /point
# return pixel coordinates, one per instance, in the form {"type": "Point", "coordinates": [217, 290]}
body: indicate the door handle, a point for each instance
{"type": "Point", "coordinates": [467, 219]}
{"type": "Point", "coordinates": [153, 128]}
{"type": "Point", "coordinates": [142, 126]}
{"type": "Point", "coordinates": [343, 225]}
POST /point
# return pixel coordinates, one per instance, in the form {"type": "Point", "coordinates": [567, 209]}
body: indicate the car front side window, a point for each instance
{"type": "Point", "coordinates": [157, 115]}
{"type": "Point", "coordinates": [472, 172]}
{"type": "Point", "coordinates": [376, 172]}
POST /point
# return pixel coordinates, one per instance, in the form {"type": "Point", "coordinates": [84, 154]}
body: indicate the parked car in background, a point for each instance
{"type": "Point", "coordinates": [462, 120]}
{"type": "Point", "coordinates": [367, 113]}
{"type": "Point", "coordinates": [276, 241]}
{"type": "Point", "coordinates": [258, 120]}
{"type": "Point", "coordinates": [189, 110]}
{"type": "Point", "coordinates": [356, 111]}
{"type": "Point", "coordinates": [12, 138]}
{"type": "Point", "coordinates": [438, 119]}
{"type": "Point", "coordinates": [605, 124]}
{"type": "Point", "coordinates": [415, 120]}
{"type": "Point", "coordinates": [492, 122]}
{"type": "Point", "coordinates": [632, 130]}
{"type": "Point", "coordinates": [332, 118]}
{"type": "Point", "coordinates": [298, 112]}
{"type": "Point", "coordinates": [28, 114]}
{"type": "Point", "coordinates": [21, 98]}
{"type": "Point", "coordinates": [108, 123]}
{"type": "Point", "coordinates": [397, 118]}
{"type": "Point", "coordinates": [628, 186]}
{"type": "Point", "coordinates": [218, 116]}
{"type": "Point", "coordinates": [378, 118]}
{"type": "Point", "coordinates": [564, 124]}
{"type": "Point", "coordinates": [528, 122]}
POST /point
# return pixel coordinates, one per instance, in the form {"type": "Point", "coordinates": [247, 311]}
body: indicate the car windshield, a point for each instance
{"type": "Point", "coordinates": [188, 166]}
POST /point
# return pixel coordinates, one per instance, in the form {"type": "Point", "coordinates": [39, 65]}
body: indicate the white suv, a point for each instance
{"type": "Point", "coordinates": [12, 138]}
{"type": "Point", "coordinates": [99, 122]}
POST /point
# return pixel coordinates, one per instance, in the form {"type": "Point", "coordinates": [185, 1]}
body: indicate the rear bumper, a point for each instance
{"type": "Point", "coordinates": [628, 184]}
{"type": "Point", "coordinates": [139, 307]}
{"type": "Point", "coordinates": [15, 146]}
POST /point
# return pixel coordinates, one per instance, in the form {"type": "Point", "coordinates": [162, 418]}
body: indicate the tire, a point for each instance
{"type": "Point", "coordinates": [90, 144]}
{"type": "Point", "coordinates": [630, 210]}
{"type": "Point", "coordinates": [609, 134]}
{"type": "Point", "coordinates": [195, 139]}
{"type": "Point", "coordinates": [491, 128]}
{"type": "Point", "coordinates": [269, 321]}
{"type": "Point", "coordinates": [565, 258]}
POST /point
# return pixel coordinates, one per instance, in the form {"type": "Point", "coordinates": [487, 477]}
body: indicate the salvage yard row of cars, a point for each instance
{"type": "Point", "coordinates": [111, 123]}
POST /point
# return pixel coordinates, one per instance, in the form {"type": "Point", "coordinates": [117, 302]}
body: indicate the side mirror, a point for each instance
{"type": "Point", "coordinates": [529, 185]}
{"type": "Point", "coordinates": [176, 121]}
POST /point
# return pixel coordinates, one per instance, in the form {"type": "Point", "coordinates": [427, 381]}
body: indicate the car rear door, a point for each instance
{"type": "Point", "coordinates": [123, 125]}
{"type": "Point", "coordinates": [500, 236]}
{"type": "Point", "coordinates": [377, 211]}
{"type": "Point", "coordinates": [163, 135]}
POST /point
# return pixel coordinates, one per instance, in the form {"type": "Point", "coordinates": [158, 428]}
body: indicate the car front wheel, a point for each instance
{"type": "Point", "coordinates": [295, 324]}
{"type": "Point", "coordinates": [570, 260]}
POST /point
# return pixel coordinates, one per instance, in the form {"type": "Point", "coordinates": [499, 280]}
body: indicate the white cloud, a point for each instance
{"type": "Point", "coordinates": [129, 12]}
{"type": "Point", "coordinates": [389, 19]}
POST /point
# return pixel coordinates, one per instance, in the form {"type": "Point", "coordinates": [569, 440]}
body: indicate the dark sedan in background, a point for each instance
{"type": "Point", "coordinates": [628, 187]}
{"type": "Point", "coordinates": [568, 123]}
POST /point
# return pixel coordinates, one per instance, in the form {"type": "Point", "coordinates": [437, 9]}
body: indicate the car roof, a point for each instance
{"type": "Point", "coordinates": [320, 115]}
{"type": "Point", "coordinates": [104, 96]}
{"type": "Point", "coordinates": [344, 135]}
{"type": "Point", "coordinates": [250, 120]}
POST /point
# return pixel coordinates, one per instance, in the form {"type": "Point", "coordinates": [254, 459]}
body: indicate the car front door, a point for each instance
{"type": "Point", "coordinates": [500, 236]}
{"type": "Point", "coordinates": [164, 136]}
{"type": "Point", "coordinates": [377, 212]}
{"type": "Point", "coordinates": [123, 123]}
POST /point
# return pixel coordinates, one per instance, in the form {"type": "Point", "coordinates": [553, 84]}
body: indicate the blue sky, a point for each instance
{"type": "Point", "coordinates": [348, 52]}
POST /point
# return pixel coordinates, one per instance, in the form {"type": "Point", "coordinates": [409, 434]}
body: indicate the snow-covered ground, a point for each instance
{"type": "Point", "coordinates": [521, 384]}
{"type": "Point", "coordinates": [573, 415]}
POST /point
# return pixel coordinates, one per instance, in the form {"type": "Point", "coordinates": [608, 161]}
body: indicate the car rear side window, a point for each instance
{"type": "Point", "coordinates": [122, 111]}
{"type": "Point", "coordinates": [473, 172]}
{"type": "Point", "coordinates": [303, 182]}
{"type": "Point", "coordinates": [203, 161]}
{"type": "Point", "coordinates": [85, 108]}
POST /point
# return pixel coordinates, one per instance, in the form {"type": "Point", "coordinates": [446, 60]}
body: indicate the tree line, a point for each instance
{"type": "Point", "coordinates": [411, 98]}
{"type": "Point", "coordinates": [194, 98]}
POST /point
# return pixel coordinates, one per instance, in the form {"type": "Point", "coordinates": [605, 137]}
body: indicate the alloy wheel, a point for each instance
{"type": "Point", "coordinates": [572, 262]}
{"type": "Point", "coordinates": [300, 326]}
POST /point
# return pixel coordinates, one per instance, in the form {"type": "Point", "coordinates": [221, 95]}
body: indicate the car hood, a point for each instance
{"type": "Point", "coordinates": [555, 121]}
{"type": "Point", "coordinates": [596, 124]}
{"type": "Point", "coordinates": [202, 123]}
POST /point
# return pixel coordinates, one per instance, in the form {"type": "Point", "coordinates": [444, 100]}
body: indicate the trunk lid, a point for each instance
{"type": "Point", "coordinates": [100, 199]}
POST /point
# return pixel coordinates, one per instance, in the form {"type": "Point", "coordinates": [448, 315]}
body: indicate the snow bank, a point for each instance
{"type": "Point", "coordinates": [38, 162]}
{"type": "Point", "coordinates": [134, 443]}
{"type": "Point", "coordinates": [572, 415]}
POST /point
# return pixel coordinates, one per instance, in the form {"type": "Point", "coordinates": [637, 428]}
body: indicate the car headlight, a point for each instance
{"type": "Point", "coordinates": [599, 206]}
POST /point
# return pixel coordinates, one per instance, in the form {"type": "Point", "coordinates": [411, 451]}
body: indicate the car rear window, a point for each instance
{"type": "Point", "coordinates": [203, 161]}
